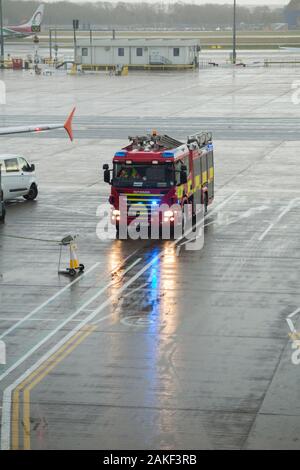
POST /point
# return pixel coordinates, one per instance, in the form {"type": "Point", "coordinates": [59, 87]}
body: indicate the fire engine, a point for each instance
{"type": "Point", "coordinates": [156, 170]}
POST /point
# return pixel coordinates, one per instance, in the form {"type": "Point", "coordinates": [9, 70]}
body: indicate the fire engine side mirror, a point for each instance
{"type": "Point", "coordinates": [183, 175]}
{"type": "Point", "coordinates": [106, 173]}
{"type": "Point", "coordinates": [106, 176]}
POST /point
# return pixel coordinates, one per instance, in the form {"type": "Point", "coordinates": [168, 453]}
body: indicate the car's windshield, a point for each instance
{"type": "Point", "coordinates": [144, 175]}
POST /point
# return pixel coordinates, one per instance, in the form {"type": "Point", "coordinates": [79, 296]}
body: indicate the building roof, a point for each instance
{"type": "Point", "coordinates": [139, 42]}
{"type": "Point", "coordinates": [294, 5]}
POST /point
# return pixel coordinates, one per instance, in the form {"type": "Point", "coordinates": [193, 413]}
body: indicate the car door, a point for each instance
{"type": "Point", "coordinates": [26, 174]}
{"type": "Point", "coordinates": [12, 181]}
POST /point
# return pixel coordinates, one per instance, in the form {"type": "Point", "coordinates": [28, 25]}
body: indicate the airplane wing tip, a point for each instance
{"type": "Point", "coordinates": [68, 124]}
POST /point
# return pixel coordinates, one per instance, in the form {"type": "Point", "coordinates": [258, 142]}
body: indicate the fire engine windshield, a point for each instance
{"type": "Point", "coordinates": [144, 175]}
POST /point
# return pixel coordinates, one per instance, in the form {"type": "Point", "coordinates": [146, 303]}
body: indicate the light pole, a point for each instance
{"type": "Point", "coordinates": [75, 27]}
{"type": "Point", "coordinates": [234, 34]}
{"type": "Point", "coordinates": [1, 36]}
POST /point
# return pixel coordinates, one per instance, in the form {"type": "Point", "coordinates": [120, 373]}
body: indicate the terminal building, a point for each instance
{"type": "Point", "coordinates": [292, 14]}
{"type": "Point", "coordinates": [138, 53]}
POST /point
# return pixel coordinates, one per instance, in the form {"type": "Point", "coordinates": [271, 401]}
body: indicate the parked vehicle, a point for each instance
{"type": "Point", "coordinates": [18, 178]}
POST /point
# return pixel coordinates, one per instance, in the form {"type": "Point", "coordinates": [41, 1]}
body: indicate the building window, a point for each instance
{"type": "Point", "coordinates": [139, 51]}
{"type": "Point", "coordinates": [84, 52]}
{"type": "Point", "coordinates": [121, 51]}
{"type": "Point", "coordinates": [176, 51]}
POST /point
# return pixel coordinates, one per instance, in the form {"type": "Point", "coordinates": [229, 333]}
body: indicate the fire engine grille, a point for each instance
{"type": "Point", "coordinates": [148, 201]}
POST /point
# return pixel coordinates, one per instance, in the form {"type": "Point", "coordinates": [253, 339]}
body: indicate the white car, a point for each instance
{"type": "Point", "coordinates": [17, 178]}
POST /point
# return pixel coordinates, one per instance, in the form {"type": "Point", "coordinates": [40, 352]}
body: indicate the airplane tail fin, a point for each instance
{"type": "Point", "coordinates": [37, 17]}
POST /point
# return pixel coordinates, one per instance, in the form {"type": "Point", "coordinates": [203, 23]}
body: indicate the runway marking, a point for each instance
{"type": "Point", "coordinates": [7, 394]}
{"type": "Point", "coordinates": [44, 304]}
{"type": "Point", "coordinates": [69, 211]}
{"type": "Point", "coordinates": [285, 211]}
{"type": "Point", "coordinates": [61, 325]}
{"type": "Point", "coordinates": [135, 290]}
{"type": "Point", "coordinates": [289, 321]}
{"type": "Point", "coordinates": [10, 319]}
{"type": "Point", "coordinates": [36, 377]}
{"type": "Point", "coordinates": [215, 209]}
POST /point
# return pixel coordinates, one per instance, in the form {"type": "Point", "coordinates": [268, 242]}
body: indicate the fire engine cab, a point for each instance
{"type": "Point", "coordinates": [156, 170]}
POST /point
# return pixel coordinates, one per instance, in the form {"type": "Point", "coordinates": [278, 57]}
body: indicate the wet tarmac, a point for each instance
{"type": "Point", "coordinates": [153, 347]}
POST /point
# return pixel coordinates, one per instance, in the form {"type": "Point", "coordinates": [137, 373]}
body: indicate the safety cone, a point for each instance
{"type": "Point", "coordinates": [74, 263]}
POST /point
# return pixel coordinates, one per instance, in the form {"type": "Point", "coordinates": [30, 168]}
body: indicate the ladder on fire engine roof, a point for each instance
{"type": "Point", "coordinates": [161, 140]}
{"type": "Point", "coordinates": [167, 142]}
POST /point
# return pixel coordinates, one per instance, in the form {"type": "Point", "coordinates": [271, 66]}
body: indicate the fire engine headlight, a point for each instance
{"type": "Point", "coordinates": [168, 214]}
{"type": "Point", "coordinates": [116, 212]}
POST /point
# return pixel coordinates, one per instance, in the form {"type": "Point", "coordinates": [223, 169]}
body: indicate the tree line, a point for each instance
{"type": "Point", "coordinates": [158, 15]}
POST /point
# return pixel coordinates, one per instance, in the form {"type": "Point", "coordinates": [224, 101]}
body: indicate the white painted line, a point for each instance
{"type": "Point", "coordinates": [136, 290]}
{"type": "Point", "coordinates": [216, 209]}
{"type": "Point", "coordinates": [69, 211]}
{"type": "Point", "coordinates": [281, 215]}
{"type": "Point", "coordinates": [291, 325]}
{"type": "Point", "coordinates": [44, 304]}
{"type": "Point", "coordinates": [289, 321]}
{"type": "Point", "coordinates": [294, 313]}
{"type": "Point", "coordinates": [62, 324]}
{"type": "Point", "coordinates": [9, 319]}
{"type": "Point", "coordinates": [6, 419]}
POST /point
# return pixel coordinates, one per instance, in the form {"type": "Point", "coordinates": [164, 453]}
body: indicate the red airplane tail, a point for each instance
{"type": "Point", "coordinates": [68, 124]}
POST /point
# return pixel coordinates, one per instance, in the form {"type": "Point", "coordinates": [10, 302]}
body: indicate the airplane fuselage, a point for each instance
{"type": "Point", "coordinates": [14, 32]}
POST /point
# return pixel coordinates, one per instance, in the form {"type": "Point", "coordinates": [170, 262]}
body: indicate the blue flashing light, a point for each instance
{"type": "Point", "coordinates": [154, 203]}
{"type": "Point", "coordinates": [210, 147]}
{"type": "Point", "coordinates": [168, 155]}
{"type": "Point", "coordinates": [121, 153]}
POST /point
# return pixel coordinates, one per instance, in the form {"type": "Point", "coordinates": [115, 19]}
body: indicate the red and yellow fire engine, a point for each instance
{"type": "Point", "coordinates": [156, 169]}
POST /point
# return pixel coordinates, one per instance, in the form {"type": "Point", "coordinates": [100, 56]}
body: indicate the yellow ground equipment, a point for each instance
{"type": "Point", "coordinates": [74, 267]}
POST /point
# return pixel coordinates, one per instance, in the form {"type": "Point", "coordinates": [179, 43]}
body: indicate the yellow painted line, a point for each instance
{"type": "Point", "coordinates": [15, 401]}
{"type": "Point", "coordinates": [59, 355]}
{"type": "Point", "coordinates": [26, 395]}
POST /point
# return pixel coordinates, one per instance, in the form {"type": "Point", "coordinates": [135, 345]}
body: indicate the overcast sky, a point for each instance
{"type": "Point", "coordinates": [199, 2]}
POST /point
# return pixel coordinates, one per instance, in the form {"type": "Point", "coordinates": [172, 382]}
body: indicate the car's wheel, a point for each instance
{"type": "Point", "coordinates": [33, 192]}
{"type": "Point", "coordinates": [2, 216]}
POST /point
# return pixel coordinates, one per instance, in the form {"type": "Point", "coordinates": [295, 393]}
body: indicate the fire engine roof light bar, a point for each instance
{"type": "Point", "coordinates": [168, 154]}
{"type": "Point", "coordinates": [121, 153]}
{"type": "Point", "coordinates": [183, 149]}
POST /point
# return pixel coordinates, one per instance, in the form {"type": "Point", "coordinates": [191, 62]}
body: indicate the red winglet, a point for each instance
{"type": "Point", "coordinates": [68, 124]}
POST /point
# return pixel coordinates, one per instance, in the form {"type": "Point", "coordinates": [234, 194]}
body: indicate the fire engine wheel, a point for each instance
{"type": "Point", "coordinates": [32, 194]}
